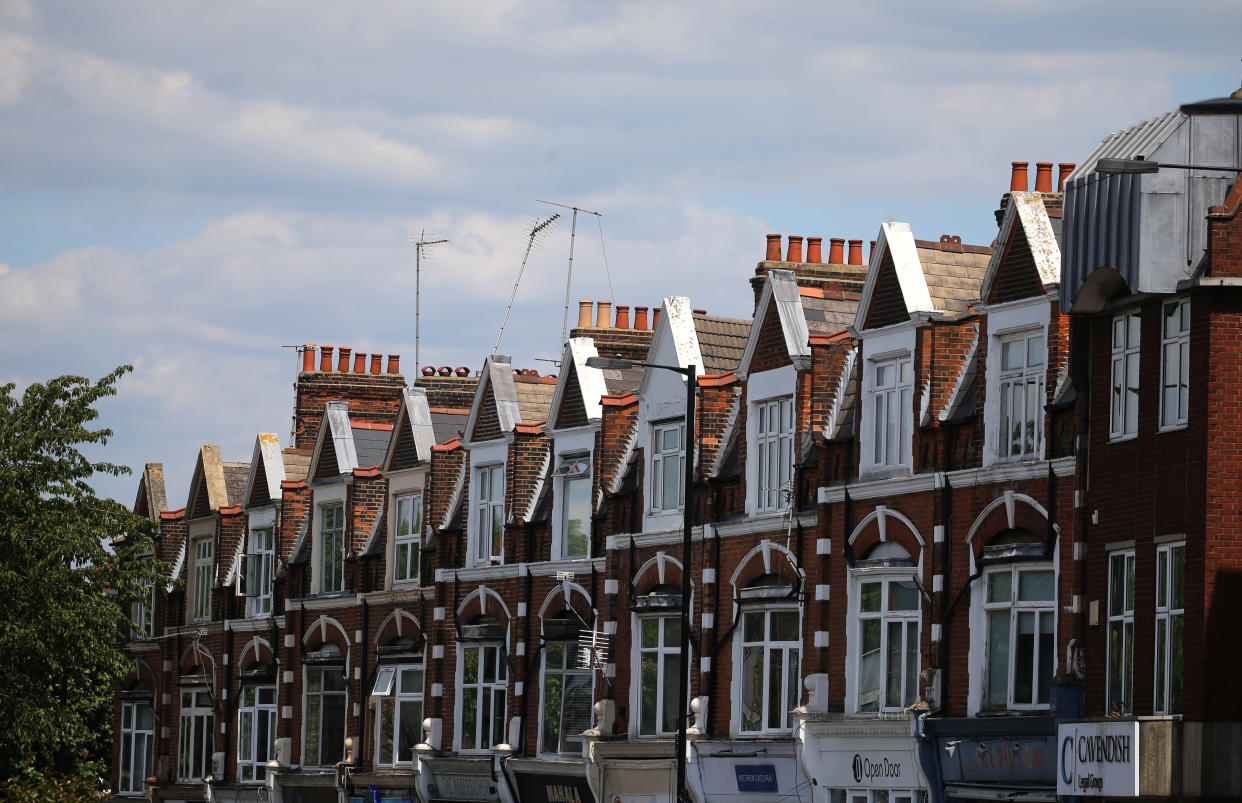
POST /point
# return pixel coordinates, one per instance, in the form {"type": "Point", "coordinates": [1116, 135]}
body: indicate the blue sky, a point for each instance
{"type": "Point", "coordinates": [189, 187]}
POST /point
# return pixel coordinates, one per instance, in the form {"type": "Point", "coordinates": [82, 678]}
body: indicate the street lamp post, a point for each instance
{"type": "Point", "coordinates": [690, 372]}
{"type": "Point", "coordinates": [1136, 166]}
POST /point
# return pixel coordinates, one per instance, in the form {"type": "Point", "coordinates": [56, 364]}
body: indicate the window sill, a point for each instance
{"type": "Point", "coordinates": [1122, 438]}
{"type": "Point", "coordinates": [1182, 427]}
{"type": "Point", "coordinates": [774, 736]}
{"type": "Point", "coordinates": [1016, 712]}
{"type": "Point", "coordinates": [885, 472]}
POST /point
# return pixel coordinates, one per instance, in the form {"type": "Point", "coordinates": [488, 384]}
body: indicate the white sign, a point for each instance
{"type": "Point", "coordinates": [880, 769]}
{"type": "Point", "coordinates": [1098, 758]}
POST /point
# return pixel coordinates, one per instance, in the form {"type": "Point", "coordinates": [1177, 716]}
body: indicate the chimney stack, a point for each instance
{"type": "Point", "coordinates": [856, 252]}
{"type": "Point", "coordinates": [794, 254]}
{"type": "Point", "coordinates": [1064, 169]}
{"type": "Point", "coordinates": [623, 316]}
{"type": "Point", "coordinates": [603, 314]}
{"type": "Point", "coordinates": [394, 363]}
{"type": "Point", "coordinates": [342, 362]}
{"type": "Point", "coordinates": [325, 358]}
{"type": "Point", "coordinates": [584, 314]}
{"type": "Point", "coordinates": [814, 249]}
{"type": "Point", "coordinates": [308, 357]}
{"type": "Point", "coordinates": [1018, 181]}
{"type": "Point", "coordinates": [1043, 177]}
{"type": "Point", "coordinates": [376, 360]}
{"type": "Point", "coordinates": [774, 248]}
{"type": "Point", "coordinates": [836, 251]}
{"type": "Point", "coordinates": [640, 318]}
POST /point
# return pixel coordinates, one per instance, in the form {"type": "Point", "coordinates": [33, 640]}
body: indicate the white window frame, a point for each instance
{"type": "Point", "coordinates": [493, 691]}
{"type": "Point", "coordinates": [1175, 364]}
{"type": "Point", "coordinates": [1119, 635]}
{"type": "Point", "coordinates": [788, 652]}
{"type": "Point", "coordinates": [196, 737]}
{"type": "Point", "coordinates": [1040, 608]}
{"type": "Point", "coordinates": [393, 699]}
{"type": "Point", "coordinates": [573, 471]}
{"type": "Point", "coordinates": [260, 570]}
{"type": "Point", "coordinates": [890, 406]}
{"type": "Point", "coordinates": [569, 738]}
{"type": "Point", "coordinates": [906, 620]}
{"type": "Point", "coordinates": [774, 484]}
{"type": "Point", "coordinates": [323, 696]}
{"type": "Point", "coordinates": [1021, 388]}
{"type": "Point", "coordinates": [332, 548]}
{"type": "Point", "coordinates": [204, 562]}
{"type": "Point", "coordinates": [1170, 609]}
{"type": "Point", "coordinates": [1125, 365]}
{"type": "Point", "coordinates": [254, 714]}
{"type": "Point", "coordinates": [658, 461]}
{"type": "Point", "coordinates": [129, 781]}
{"type": "Point", "coordinates": [144, 610]}
{"type": "Point", "coordinates": [663, 653]}
{"type": "Point", "coordinates": [407, 547]}
{"type": "Point", "coordinates": [489, 540]}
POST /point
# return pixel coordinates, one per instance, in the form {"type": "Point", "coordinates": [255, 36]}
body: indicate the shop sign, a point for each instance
{"type": "Point", "coordinates": [880, 769]}
{"type": "Point", "coordinates": [1006, 759]}
{"type": "Point", "coordinates": [756, 777]}
{"type": "Point", "coordinates": [1098, 758]}
{"type": "Point", "coordinates": [541, 788]}
{"type": "Point", "coordinates": [464, 787]}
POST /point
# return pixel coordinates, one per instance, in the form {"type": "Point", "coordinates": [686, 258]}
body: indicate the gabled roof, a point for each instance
{"type": "Point", "coordinates": [1135, 142]}
{"type": "Point", "coordinates": [413, 423]}
{"type": "Point", "coordinates": [534, 395]}
{"type": "Point", "coordinates": [714, 345]}
{"type": "Point", "coordinates": [208, 489]}
{"type": "Point", "coordinates": [1026, 211]}
{"type": "Point", "coordinates": [589, 383]}
{"type": "Point", "coordinates": [496, 386]}
{"type": "Point", "coordinates": [343, 446]}
{"type": "Point", "coordinates": [151, 499]}
{"type": "Point", "coordinates": [780, 289]}
{"type": "Point", "coordinates": [722, 341]}
{"type": "Point", "coordinates": [265, 472]}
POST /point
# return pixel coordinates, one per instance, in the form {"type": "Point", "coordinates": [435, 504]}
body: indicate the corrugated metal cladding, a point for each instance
{"type": "Point", "coordinates": [1101, 227]}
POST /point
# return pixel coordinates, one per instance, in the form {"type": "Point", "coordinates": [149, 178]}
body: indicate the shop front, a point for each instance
{"type": "Point", "coordinates": [386, 787]}
{"type": "Point", "coordinates": [746, 772]}
{"type": "Point", "coordinates": [536, 781]}
{"type": "Point", "coordinates": [460, 780]}
{"type": "Point", "coordinates": [990, 758]}
{"type": "Point", "coordinates": [633, 772]}
{"type": "Point", "coordinates": [855, 760]}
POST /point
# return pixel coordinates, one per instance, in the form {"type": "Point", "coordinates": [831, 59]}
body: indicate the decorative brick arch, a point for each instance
{"type": "Point", "coordinates": [484, 601]}
{"type": "Point", "coordinates": [141, 673]}
{"type": "Point", "coordinates": [767, 557]}
{"type": "Point", "coordinates": [195, 659]}
{"type": "Point", "coordinates": [883, 525]}
{"type": "Point", "coordinates": [578, 600]}
{"type": "Point", "coordinates": [660, 569]}
{"type": "Point", "coordinates": [257, 651]}
{"type": "Point", "coordinates": [1009, 511]}
{"type": "Point", "coordinates": [399, 624]}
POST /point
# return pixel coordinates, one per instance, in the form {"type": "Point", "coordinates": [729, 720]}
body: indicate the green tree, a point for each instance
{"type": "Point", "coordinates": [62, 593]}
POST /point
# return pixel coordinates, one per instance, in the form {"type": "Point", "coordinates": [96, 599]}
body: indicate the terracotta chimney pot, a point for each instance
{"type": "Point", "coordinates": [655, 316]}
{"type": "Point", "coordinates": [394, 363]}
{"type": "Point", "coordinates": [1043, 177]}
{"type": "Point", "coordinates": [308, 357]}
{"type": "Point", "coordinates": [1063, 169]}
{"type": "Point", "coordinates": [870, 251]}
{"type": "Point", "coordinates": [794, 253]}
{"type": "Point", "coordinates": [1017, 180]}
{"type": "Point", "coordinates": [342, 362]}
{"type": "Point", "coordinates": [774, 248]}
{"type": "Point", "coordinates": [584, 314]}
{"type": "Point", "coordinates": [463, 370]}
{"type": "Point", "coordinates": [360, 363]}
{"type": "Point", "coordinates": [429, 370]}
{"type": "Point", "coordinates": [700, 312]}
{"type": "Point", "coordinates": [376, 363]}
{"type": "Point", "coordinates": [623, 317]}
{"type": "Point", "coordinates": [814, 249]}
{"type": "Point", "coordinates": [640, 318]}
{"type": "Point", "coordinates": [325, 358]}
{"type": "Point", "coordinates": [856, 252]}
{"type": "Point", "coordinates": [445, 371]}
{"type": "Point", "coordinates": [603, 314]}
{"type": "Point", "coordinates": [836, 251]}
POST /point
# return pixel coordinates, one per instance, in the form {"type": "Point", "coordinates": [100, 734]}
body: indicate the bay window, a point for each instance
{"type": "Point", "coordinates": [1021, 396]}
{"type": "Point", "coordinates": [891, 409]}
{"type": "Point", "coordinates": [137, 746]}
{"type": "Point", "coordinates": [407, 538]}
{"type": "Point", "coordinates": [194, 742]}
{"type": "Point", "coordinates": [484, 683]}
{"type": "Point", "coordinates": [769, 653]}
{"type": "Point", "coordinates": [668, 466]}
{"type": "Point", "coordinates": [660, 667]}
{"type": "Point", "coordinates": [1020, 614]}
{"type": "Point", "coordinates": [489, 514]}
{"type": "Point", "coordinates": [774, 452]}
{"type": "Point", "coordinates": [398, 693]}
{"type": "Point", "coordinates": [1170, 619]}
{"type": "Point", "coordinates": [1175, 364]}
{"type": "Point", "coordinates": [324, 721]}
{"type": "Point", "coordinates": [568, 694]}
{"type": "Point", "coordinates": [888, 643]}
{"type": "Point", "coordinates": [1121, 632]}
{"type": "Point", "coordinates": [332, 548]}
{"type": "Point", "coordinates": [1123, 413]}
{"type": "Point", "coordinates": [256, 732]}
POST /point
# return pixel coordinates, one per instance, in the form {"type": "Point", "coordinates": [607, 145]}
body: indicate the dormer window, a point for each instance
{"type": "Point", "coordinates": [668, 465]}
{"type": "Point", "coordinates": [489, 514]}
{"type": "Point", "coordinates": [573, 479]}
{"type": "Point", "coordinates": [891, 395]}
{"type": "Point", "coordinates": [407, 538]}
{"type": "Point", "coordinates": [203, 549]}
{"type": "Point", "coordinates": [332, 552]}
{"type": "Point", "coordinates": [1021, 396]}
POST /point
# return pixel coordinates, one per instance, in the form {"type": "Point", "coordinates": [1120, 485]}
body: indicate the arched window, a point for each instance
{"type": "Point", "coordinates": [1019, 612]}
{"type": "Point", "coordinates": [568, 688]}
{"type": "Point", "coordinates": [398, 696]}
{"type": "Point", "coordinates": [767, 656]}
{"type": "Point", "coordinates": [887, 606]}
{"type": "Point", "coordinates": [659, 660]}
{"type": "Point", "coordinates": [483, 681]}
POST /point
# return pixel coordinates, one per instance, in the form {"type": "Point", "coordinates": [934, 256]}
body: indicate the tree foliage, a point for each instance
{"type": "Point", "coordinates": [63, 595]}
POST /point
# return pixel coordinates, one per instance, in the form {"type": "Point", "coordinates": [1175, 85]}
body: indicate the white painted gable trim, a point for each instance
{"type": "Point", "coordinates": [267, 452]}
{"type": "Point", "coordinates": [896, 239]}
{"type": "Point", "coordinates": [1028, 209]}
{"type": "Point", "coordinates": [781, 287]}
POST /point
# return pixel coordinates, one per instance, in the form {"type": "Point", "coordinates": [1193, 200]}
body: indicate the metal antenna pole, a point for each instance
{"type": "Point", "coordinates": [537, 230]}
{"type": "Point", "coordinates": [419, 245]}
{"type": "Point", "coordinates": [573, 230]}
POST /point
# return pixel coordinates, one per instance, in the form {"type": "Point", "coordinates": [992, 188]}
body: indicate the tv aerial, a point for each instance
{"type": "Point", "coordinates": [422, 247]}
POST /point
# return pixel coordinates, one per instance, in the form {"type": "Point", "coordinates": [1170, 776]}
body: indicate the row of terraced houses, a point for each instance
{"type": "Point", "coordinates": [965, 526]}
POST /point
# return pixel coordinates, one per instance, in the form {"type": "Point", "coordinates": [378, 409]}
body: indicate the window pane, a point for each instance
{"type": "Point", "coordinates": [672, 672]}
{"type": "Point", "coordinates": [998, 658]}
{"type": "Point", "coordinates": [649, 696]}
{"type": "Point", "coordinates": [1036, 586]}
{"type": "Point", "coordinates": [1162, 646]}
{"type": "Point", "coordinates": [1132, 330]}
{"type": "Point", "coordinates": [1047, 651]}
{"type": "Point", "coordinates": [552, 703]}
{"type": "Point", "coordinates": [1162, 578]}
{"type": "Point", "coordinates": [668, 484]}
{"type": "Point", "coordinates": [409, 728]}
{"type": "Point", "coordinates": [1035, 350]}
{"type": "Point", "coordinates": [1175, 664]}
{"type": "Point", "coordinates": [650, 632]}
{"type": "Point", "coordinates": [752, 688]}
{"type": "Point", "coordinates": [903, 596]}
{"type": "Point", "coordinates": [576, 713]}
{"type": "Point", "coordinates": [1012, 354]}
{"type": "Point", "coordinates": [386, 713]}
{"type": "Point", "coordinates": [470, 669]}
{"type": "Point", "coordinates": [912, 664]}
{"type": "Point", "coordinates": [893, 665]}
{"type": "Point", "coordinates": [784, 626]}
{"type": "Point", "coordinates": [1024, 658]}
{"type": "Point", "coordinates": [869, 666]}
{"type": "Point", "coordinates": [1000, 587]}
{"type": "Point", "coordinates": [470, 718]}
{"type": "Point", "coordinates": [577, 511]}
{"type": "Point", "coordinates": [776, 676]}
{"type": "Point", "coordinates": [870, 598]}
{"type": "Point", "coordinates": [672, 631]}
{"type": "Point", "coordinates": [1177, 600]}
